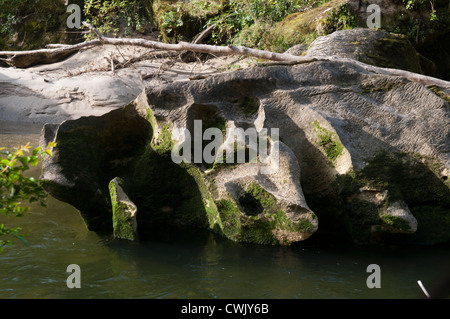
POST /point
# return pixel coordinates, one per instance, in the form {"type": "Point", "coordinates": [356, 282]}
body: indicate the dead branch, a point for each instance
{"type": "Point", "coordinates": [23, 59]}
{"type": "Point", "coordinates": [91, 27]}
{"type": "Point", "coordinates": [111, 61]}
{"type": "Point", "coordinates": [199, 38]}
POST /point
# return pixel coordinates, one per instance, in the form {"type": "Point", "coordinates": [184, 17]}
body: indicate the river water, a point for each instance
{"type": "Point", "coordinates": [195, 263]}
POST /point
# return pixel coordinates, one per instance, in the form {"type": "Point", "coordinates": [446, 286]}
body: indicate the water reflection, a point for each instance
{"type": "Point", "coordinates": [197, 264]}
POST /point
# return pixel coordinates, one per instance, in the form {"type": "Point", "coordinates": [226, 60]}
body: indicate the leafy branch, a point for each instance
{"type": "Point", "coordinates": [16, 189]}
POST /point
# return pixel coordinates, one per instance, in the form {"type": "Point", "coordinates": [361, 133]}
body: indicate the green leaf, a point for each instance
{"type": "Point", "coordinates": [36, 151]}
{"type": "Point", "coordinates": [34, 161]}
{"type": "Point", "coordinates": [4, 162]}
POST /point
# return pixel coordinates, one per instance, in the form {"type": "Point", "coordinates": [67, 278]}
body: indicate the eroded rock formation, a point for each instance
{"type": "Point", "coordinates": [359, 154]}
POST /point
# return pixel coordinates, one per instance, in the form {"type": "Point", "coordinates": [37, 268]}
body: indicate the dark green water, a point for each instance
{"type": "Point", "coordinates": [195, 264]}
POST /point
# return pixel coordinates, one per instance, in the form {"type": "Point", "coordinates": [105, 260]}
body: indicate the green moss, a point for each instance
{"type": "Point", "coordinates": [438, 91]}
{"type": "Point", "coordinates": [249, 105]}
{"type": "Point", "coordinates": [384, 86]}
{"type": "Point", "coordinates": [150, 117]}
{"type": "Point", "coordinates": [395, 52]}
{"type": "Point", "coordinates": [231, 160]}
{"type": "Point", "coordinates": [417, 26]}
{"type": "Point", "coordinates": [164, 143]}
{"type": "Point", "coordinates": [347, 184]}
{"type": "Point", "coordinates": [256, 201]}
{"type": "Point", "coordinates": [114, 17]}
{"type": "Point", "coordinates": [262, 229]}
{"type": "Point", "coordinates": [396, 222]}
{"type": "Point", "coordinates": [329, 141]}
{"type": "Point", "coordinates": [258, 229]}
{"type": "Point", "coordinates": [122, 224]}
{"type": "Point", "coordinates": [341, 17]}
{"type": "Point", "coordinates": [305, 26]}
{"type": "Point", "coordinates": [230, 216]}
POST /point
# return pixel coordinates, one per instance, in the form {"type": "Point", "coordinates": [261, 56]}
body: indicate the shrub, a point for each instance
{"type": "Point", "coordinates": [111, 17]}
{"type": "Point", "coordinates": [15, 188]}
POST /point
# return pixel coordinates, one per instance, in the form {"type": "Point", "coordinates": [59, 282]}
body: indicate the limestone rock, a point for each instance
{"type": "Point", "coordinates": [297, 49]}
{"type": "Point", "coordinates": [375, 47]}
{"type": "Point", "coordinates": [89, 153]}
{"type": "Point", "coordinates": [398, 218]}
{"type": "Point", "coordinates": [342, 131]}
{"type": "Point", "coordinates": [124, 212]}
{"type": "Point", "coordinates": [300, 27]}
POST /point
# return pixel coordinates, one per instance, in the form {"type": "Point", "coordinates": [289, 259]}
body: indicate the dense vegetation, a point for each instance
{"type": "Point", "coordinates": [31, 24]}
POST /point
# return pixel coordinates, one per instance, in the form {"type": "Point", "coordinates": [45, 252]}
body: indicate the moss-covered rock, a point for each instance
{"type": "Point", "coordinates": [184, 194]}
{"type": "Point", "coordinates": [329, 142]}
{"type": "Point", "coordinates": [90, 152]}
{"type": "Point", "coordinates": [396, 52]}
{"type": "Point", "coordinates": [375, 190]}
{"type": "Point", "coordinates": [397, 218]}
{"type": "Point", "coordinates": [29, 25]}
{"type": "Point", "coordinates": [396, 193]}
{"type": "Point", "coordinates": [304, 27]}
{"type": "Point", "coordinates": [258, 217]}
{"type": "Point", "coordinates": [123, 212]}
{"type": "Point", "coordinates": [165, 192]}
{"type": "Point", "coordinates": [426, 30]}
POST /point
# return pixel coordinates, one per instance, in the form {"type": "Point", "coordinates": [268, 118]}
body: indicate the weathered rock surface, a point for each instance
{"type": "Point", "coordinates": [343, 132]}
{"type": "Point", "coordinates": [375, 47]}
{"type": "Point", "coordinates": [84, 84]}
{"type": "Point", "coordinates": [65, 90]}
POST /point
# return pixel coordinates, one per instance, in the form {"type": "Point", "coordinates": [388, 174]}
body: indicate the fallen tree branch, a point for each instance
{"type": "Point", "coordinates": [181, 46]}
{"type": "Point", "coordinates": [23, 59]}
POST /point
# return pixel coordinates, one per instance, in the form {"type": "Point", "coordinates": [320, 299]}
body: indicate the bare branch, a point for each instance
{"type": "Point", "coordinates": [99, 35]}
{"type": "Point", "coordinates": [198, 39]}
{"type": "Point", "coordinates": [28, 58]}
